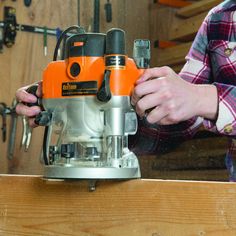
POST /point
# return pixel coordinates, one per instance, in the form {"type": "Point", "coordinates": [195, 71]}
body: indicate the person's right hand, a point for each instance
{"type": "Point", "coordinates": [164, 98]}
{"type": "Point", "coordinates": [23, 97]}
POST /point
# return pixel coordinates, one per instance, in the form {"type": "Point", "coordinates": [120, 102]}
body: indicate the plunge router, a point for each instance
{"type": "Point", "coordinates": [87, 110]}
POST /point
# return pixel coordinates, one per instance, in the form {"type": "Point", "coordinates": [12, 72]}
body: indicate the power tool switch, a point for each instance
{"type": "Point", "coordinates": [104, 92]}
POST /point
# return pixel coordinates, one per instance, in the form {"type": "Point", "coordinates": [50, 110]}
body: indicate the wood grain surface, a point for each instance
{"type": "Point", "coordinates": [197, 7]}
{"type": "Point", "coordinates": [32, 206]}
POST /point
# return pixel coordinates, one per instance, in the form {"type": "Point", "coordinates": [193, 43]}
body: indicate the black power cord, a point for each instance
{"type": "Point", "coordinates": [63, 35]}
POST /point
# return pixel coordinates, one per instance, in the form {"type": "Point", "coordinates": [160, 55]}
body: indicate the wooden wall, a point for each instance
{"type": "Point", "coordinates": [24, 62]}
{"type": "Point", "coordinates": [180, 27]}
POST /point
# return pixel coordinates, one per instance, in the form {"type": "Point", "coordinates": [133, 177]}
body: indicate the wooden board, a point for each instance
{"type": "Point", "coordinates": [170, 56]}
{"type": "Point", "coordinates": [32, 206]}
{"type": "Point", "coordinates": [185, 30]}
{"type": "Point", "coordinates": [197, 8]}
{"type": "Point", "coordinates": [159, 28]}
{"type": "Point", "coordinates": [136, 21]}
{"type": "Point", "coordinates": [174, 3]}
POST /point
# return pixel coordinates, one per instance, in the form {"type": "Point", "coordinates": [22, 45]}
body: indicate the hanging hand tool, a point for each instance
{"type": "Point", "coordinates": [96, 17]}
{"type": "Point", "coordinates": [27, 130]}
{"type": "Point", "coordinates": [27, 2]}
{"type": "Point", "coordinates": [4, 110]}
{"type": "Point", "coordinates": [78, 11]}
{"type": "Point", "coordinates": [1, 40]}
{"type": "Point", "coordinates": [4, 123]}
{"type": "Point", "coordinates": [9, 30]}
{"type": "Point", "coordinates": [11, 144]}
{"type": "Point", "coordinates": [58, 34]}
{"type": "Point", "coordinates": [9, 26]}
{"type": "Point", "coordinates": [45, 46]}
{"type": "Point", "coordinates": [108, 11]}
{"type": "Point", "coordinates": [27, 134]}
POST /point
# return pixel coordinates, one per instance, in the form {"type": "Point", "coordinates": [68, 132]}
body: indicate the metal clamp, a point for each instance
{"type": "Point", "coordinates": [9, 30]}
{"type": "Point", "coordinates": [26, 135]}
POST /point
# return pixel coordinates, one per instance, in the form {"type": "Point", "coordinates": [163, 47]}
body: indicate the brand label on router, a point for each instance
{"type": "Point", "coordinates": [79, 88]}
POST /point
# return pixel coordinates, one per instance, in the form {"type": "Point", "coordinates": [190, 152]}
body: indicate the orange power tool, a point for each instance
{"type": "Point", "coordinates": [87, 110]}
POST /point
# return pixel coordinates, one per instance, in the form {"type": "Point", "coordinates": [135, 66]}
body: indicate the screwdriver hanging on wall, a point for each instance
{"type": "Point", "coordinates": [3, 113]}
{"type": "Point", "coordinates": [27, 2]}
{"type": "Point", "coordinates": [108, 11]}
{"type": "Point", "coordinates": [78, 11]}
{"type": "Point", "coordinates": [1, 40]}
{"type": "Point", "coordinates": [13, 131]}
{"type": "Point", "coordinates": [96, 17]}
{"type": "Point", "coordinates": [45, 46]}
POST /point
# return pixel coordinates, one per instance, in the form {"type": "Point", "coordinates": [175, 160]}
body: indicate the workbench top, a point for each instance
{"type": "Point", "coordinates": [30, 205]}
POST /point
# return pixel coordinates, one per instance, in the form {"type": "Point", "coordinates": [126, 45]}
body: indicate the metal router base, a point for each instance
{"type": "Point", "coordinates": [63, 172]}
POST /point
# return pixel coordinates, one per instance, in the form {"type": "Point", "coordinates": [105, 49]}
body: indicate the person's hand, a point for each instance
{"type": "Point", "coordinates": [165, 98]}
{"type": "Point", "coordinates": [23, 97]}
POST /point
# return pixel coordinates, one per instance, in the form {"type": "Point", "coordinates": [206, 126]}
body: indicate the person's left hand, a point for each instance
{"type": "Point", "coordinates": [23, 97]}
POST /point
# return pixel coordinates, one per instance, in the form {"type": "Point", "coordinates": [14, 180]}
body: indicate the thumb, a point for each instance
{"type": "Point", "coordinates": [39, 90]}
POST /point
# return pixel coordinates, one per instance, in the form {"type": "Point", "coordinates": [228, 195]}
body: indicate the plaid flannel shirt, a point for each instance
{"type": "Point", "coordinates": [211, 60]}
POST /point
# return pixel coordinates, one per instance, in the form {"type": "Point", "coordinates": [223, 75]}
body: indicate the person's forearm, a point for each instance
{"type": "Point", "coordinates": [206, 101]}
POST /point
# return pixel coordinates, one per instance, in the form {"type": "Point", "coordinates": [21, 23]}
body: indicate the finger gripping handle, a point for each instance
{"type": "Point", "coordinates": [32, 90]}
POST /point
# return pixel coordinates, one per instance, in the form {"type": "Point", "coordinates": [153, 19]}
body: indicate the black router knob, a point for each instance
{"type": "Point", "coordinates": [68, 150]}
{"type": "Point", "coordinates": [75, 69]}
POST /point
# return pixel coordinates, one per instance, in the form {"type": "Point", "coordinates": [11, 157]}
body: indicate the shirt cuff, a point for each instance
{"type": "Point", "coordinates": [225, 123]}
